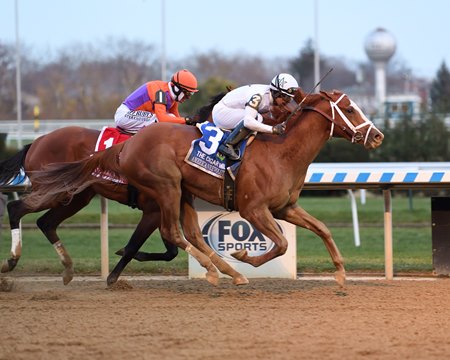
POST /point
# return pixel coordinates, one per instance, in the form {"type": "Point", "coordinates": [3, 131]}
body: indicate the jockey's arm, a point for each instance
{"type": "Point", "coordinates": [253, 120]}
{"type": "Point", "coordinates": [160, 110]}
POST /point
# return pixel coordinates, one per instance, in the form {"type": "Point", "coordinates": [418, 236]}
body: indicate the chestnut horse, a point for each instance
{"type": "Point", "coordinates": [268, 184]}
{"type": "Point", "coordinates": [71, 144]}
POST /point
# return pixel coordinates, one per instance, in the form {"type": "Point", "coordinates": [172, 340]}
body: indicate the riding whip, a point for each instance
{"type": "Point", "coordinates": [310, 92]}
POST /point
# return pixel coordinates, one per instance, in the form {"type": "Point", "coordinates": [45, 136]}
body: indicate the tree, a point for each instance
{"type": "Point", "coordinates": [207, 90]}
{"type": "Point", "coordinates": [302, 67]}
{"type": "Point", "coordinates": [7, 76]}
{"type": "Point", "coordinates": [440, 90]}
{"type": "Point", "coordinates": [434, 138]}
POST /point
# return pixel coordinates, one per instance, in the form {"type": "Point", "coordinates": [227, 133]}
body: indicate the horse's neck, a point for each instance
{"type": "Point", "coordinates": [305, 137]}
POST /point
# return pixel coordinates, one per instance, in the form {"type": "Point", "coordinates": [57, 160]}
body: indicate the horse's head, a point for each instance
{"type": "Point", "coordinates": [348, 121]}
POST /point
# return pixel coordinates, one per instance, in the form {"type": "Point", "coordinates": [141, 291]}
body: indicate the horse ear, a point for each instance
{"type": "Point", "coordinates": [299, 95]}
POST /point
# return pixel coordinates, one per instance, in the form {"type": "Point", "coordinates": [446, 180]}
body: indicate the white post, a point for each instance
{"type": "Point", "coordinates": [362, 192]}
{"type": "Point", "coordinates": [104, 237]}
{"type": "Point", "coordinates": [355, 218]}
{"type": "Point", "coordinates": [388, 259]}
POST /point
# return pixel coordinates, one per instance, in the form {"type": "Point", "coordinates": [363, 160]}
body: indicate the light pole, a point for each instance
{"type": "Point", "coordinates": [163, 41]}
{"type": "Point", "coordinates": [18, 81]}
{"type": "Point", "coordinates": [316, 45]}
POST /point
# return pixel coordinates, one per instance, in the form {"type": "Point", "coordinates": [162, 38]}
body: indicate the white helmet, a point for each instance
{"type": "Point", "coordinates": [284, 84]}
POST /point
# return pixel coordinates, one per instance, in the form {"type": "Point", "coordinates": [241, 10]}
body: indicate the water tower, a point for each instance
{"type": "Point", "coordinates": [380, 46]}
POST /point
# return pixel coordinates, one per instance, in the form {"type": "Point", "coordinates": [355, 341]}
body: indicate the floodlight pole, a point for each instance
{"type": "Point", "coordinates": [163, 41]}
{"type": "Point", "coordinates": [18, 81]}
{"type": "Point", "coordinates": [316, 45]}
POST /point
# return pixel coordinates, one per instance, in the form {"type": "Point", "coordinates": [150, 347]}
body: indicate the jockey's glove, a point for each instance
{"type": "Point", "coordinates": [279, 129]}
{"type": "Point", "coordinates": [190, 121]}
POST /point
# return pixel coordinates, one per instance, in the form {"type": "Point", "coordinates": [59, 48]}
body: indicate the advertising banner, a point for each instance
{"type": "Point", "coordinates": [226, 232]}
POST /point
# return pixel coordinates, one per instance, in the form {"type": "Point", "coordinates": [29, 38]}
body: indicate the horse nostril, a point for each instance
{"type": "Point", "coordinates": [379, 137]}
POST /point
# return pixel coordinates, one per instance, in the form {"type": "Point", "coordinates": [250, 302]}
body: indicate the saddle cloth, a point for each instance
{"type": "Point", "coordinates": [203, 152]}
{"type": "Point", "coordinates": [108, 137]}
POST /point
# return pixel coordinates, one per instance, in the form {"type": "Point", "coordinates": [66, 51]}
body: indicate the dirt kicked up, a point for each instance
{"type": "Point", "coordinates": [190, 319]}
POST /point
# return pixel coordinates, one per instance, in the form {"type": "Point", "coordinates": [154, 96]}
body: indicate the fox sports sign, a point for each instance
{"type": "Point", "coordinates": [225, 235]}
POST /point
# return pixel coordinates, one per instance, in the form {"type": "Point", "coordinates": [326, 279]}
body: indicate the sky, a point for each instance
{"type": "Point", "coordinates": [265, 28]}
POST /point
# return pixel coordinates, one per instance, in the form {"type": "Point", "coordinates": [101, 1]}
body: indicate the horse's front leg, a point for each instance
{"type": "Point", "coordinates": [298, 216]}
{"type": "Point", "coordinates": [191, 229]}
{"type": "Point", "coordinates": [263, 221]}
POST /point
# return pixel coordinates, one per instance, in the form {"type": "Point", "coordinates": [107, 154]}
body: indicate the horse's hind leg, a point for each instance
{"type": "Point", "coordinates": [49, 222]}
{"type": "Point", "coordinates": [298, 216]}
{"type": "Point", "coordinates": [193, 233]}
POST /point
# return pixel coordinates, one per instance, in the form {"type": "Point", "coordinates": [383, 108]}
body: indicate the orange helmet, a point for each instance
{"type": "Point", "coordinates": [185, 80]}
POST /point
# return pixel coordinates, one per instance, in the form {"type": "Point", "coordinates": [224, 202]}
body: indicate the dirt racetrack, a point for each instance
{"type": "Point", "coordinates": [189, 319]}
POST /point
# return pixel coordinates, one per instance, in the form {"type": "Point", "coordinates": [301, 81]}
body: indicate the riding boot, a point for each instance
{"type": "Point", "coordinates": [239, 133]}
{"type": "Point", "coordinates": [132, 196]}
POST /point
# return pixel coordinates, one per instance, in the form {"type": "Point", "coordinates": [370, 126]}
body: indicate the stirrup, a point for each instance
{"type": "Point", "coordinates": [229, 152]}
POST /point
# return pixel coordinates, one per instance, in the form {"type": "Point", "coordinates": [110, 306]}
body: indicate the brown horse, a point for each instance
{"type": "Point", "coordinates": [71, 144]}
{"type": "Point", "coordinates": [268, 184]}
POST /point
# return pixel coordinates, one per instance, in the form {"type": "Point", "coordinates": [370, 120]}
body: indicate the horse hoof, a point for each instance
{"type": "Point", "coordinates": [340, 278]}
{"type": "Point", "coordinates": [5, 267]}
{"type": "Point", "coordinates": [111, 279]}
{"type": "Point", "coordinates": [239, 255]}
{"type": "Point", "coordinates": [240, 280]}
{"type": "Point", "coordinates": [8, 265]}
{"type": "Point", "coordinates": [120, 252]}
{"type": "Point", "coordinates": [213, 279]}
{"type": "Point", "coordinates": [67, 276]}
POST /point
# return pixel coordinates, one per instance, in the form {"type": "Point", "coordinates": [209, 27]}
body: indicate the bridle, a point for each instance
{"type": "Point", "coordinates": [351, 130]}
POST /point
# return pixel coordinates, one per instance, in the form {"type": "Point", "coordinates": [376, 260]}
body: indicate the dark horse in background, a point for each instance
{"type": "Point", "coordinates": [71, 144]}
{"type": "Point", "coordinates": [268, 184]}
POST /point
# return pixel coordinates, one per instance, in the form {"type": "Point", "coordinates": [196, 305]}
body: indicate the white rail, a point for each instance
{"type": "Point", "coordinates": [321, 176]}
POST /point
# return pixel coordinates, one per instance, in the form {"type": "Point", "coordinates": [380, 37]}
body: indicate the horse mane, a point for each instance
{"type": "Point", "coordinates": [204, 112]}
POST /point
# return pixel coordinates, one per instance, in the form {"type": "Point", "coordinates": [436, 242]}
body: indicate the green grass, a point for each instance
{"type": "Point", "coordinates": [411, 233]}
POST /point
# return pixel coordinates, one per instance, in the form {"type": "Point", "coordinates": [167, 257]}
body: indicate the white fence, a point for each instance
{"type": "Point", "coordinates": [31, 129]}
{"type": "Point", "coordinates": [329, 176]}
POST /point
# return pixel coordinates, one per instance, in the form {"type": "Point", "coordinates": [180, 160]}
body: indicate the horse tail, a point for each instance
{"type": "Point", "coordinates": [204, 112]}
{"type": "Point", "coordinates": [60, 182]}
{"type": "Point", "coordinates": [11, 168]}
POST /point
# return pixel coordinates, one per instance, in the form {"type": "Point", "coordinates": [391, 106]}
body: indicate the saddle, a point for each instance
{"type": "Point", "coordinates": [204, 156]}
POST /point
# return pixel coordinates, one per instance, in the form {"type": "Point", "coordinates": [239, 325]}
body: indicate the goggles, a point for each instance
{"type": "Point", "coordinates": [286, 94]}
{"type": "Point", "coordinates": [187, 93]}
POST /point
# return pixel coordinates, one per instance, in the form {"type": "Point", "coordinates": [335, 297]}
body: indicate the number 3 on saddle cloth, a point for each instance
{"type": "Point", "coordinates": [108, 137]}
{"type": "Point", "coordinates": [204, 156]}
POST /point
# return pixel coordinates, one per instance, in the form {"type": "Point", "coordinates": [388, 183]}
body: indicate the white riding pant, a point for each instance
{"type": "Point", "coordinates": [228, 118]}
{"type": "Point", "coordinates": [133, 121]}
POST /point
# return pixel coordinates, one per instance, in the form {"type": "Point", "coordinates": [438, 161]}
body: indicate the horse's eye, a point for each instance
{"type": "Point", "coordinates": [350, 110]}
